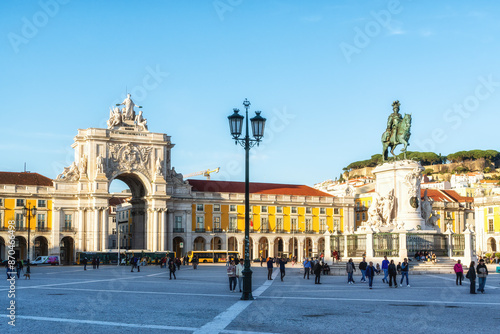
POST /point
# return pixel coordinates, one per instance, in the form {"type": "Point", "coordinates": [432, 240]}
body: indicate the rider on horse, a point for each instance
{"type": "Point", "coordinates": [393, 122]}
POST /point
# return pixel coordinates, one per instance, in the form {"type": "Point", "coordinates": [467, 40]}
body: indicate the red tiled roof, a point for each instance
{"type": "Point", "coordinates": [25, 179]}
{"type": "Point", "coordinates": [114, 201]}
{"type": "Point", "coordinates": [445, 195]}
{"type": "Point", "coordinates": [255, 188]}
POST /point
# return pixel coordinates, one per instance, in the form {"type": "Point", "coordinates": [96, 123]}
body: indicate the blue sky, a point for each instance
{"type": "Point", "coordinates": [324, 74]}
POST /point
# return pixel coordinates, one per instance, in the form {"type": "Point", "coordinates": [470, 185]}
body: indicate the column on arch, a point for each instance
{"type": "Point", "coordinates": [96, 232]}
{"type": "Point", "coordinates": [170, 229]}
{"type": "Point", "coordinates": [104, 228]}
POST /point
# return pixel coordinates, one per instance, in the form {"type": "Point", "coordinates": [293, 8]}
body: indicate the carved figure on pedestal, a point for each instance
{"type": "Point", "coordinates": [374, 216]}
{"type": "Point", "coordinates": [158, 167]}
{"type": "Point", "coordinates": [426, 208]}
{"type": "Point", "coordinates": [100, 164]}
{"type": "Point", "coordinates": [128, 111]}
{"type": "Point", "coordinates": [141, 122]}
{"type": "Point", "coordinates": [115, 117]}
{"type": "Point", "coordinates": [83, 165]}
{"type": "Point", "coordinates": [397, 132]}
{"type": "Point", "coordinates": [387, 206]}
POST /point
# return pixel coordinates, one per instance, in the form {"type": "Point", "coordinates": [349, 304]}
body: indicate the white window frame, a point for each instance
{"type": "Point", "coordinates": [44, 221]}
{"type": "Point", "coordinates": [233, 208]}
{"type": "Point", "coordinates": [322, 225]}
{"type": "Point", "coordinates": [308, 210]}
{"type": "Point", "coordinates": [200, 221]}
{"type": "Point", "coordinates": [216, 207]}
{"type": "Point", "coordinates": [279, 209]}
{"type": "Point", "coordinates": [198, 206]}
{"type": "Point", "coordinates": [41, 201]}
{"type": "Point", "coordinates": [22, 205]}
{"type": "Point", "coordinates": [294, 210]}
{"type": "Point", "coordinates": [263, 209]}
{"type": "Point", "coordinates": [322, 211]}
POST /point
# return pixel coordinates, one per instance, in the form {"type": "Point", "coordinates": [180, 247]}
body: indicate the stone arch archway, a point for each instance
{"type": "Point", "coordinates": [279, 247]}
{"type": "Point", "coordinates": [41, 247]}
{"type": "Point", "coordinates": [216, 243]}
{"type": "Point", "coordinates": [232, 244]}
{"type": "Point", "coordinates": [199, 244]}
{"type": "Point", "coordinates": [20, 248]}
{"type": "Point", "coordinates": [492, 245]}
{"type": "Point", "coordinates": [128, 152]}
{"type": "Point", "coordinates": [67, 250]}
{"type": "Point", "coordinates": [179, 251]}
{"type": "Point", "coordinates": [264, 247]}
{"type": "Point", "coordinates": [308, 247]}
{"type": "Point", "coordinates": [293, 247]}
{"type": "Point", "coordinates": [3, 254]}
{"type": "Point", "coordinates": [320, 245]}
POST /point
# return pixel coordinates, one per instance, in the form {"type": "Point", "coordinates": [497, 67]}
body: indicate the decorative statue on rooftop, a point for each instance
{"type": "Point", "coordinates": [397, 132]}
{"type": "Point", "coordinates": [128, 111]}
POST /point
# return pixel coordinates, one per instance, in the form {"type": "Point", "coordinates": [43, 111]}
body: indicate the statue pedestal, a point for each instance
{"type": "Point", "coordinates": [402, 178]}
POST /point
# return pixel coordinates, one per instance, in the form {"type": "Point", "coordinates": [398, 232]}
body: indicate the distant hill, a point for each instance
{"type": "Point", "coordinates": [458, 162]}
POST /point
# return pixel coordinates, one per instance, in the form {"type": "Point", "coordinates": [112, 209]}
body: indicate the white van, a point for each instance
{"type": "Point", "coordinates": [52, 260]}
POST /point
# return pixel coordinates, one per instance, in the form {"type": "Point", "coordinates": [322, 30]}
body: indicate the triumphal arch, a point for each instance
{"type": "Point", "coordinates": [129, 152]}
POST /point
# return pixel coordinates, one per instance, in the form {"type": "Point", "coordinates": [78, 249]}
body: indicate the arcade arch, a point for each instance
{"type": "Point", "coordinates": [41, 247]}
{"type": "Point", "coordinates": [67, 250]}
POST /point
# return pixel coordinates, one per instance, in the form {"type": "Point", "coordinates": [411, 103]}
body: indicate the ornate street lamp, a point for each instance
{"type": "Point", "coordinates": [28, 212]}
{"type": "Point", "coordinates": [236, 127]}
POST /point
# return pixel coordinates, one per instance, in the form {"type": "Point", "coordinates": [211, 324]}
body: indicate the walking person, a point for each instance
{"type": "Point", "coordinates": [282, 263]}
{"type": "Point", "coordinates": [459, 272]}
{"type": "Point", "coordinates": [392, 274]}
{"type": "Point", "coordinates": [97, 262]}
{"type": "Point", "coordinates": [84, 262]}
{"type": "Point", "coordinates": [239, 273]}
{"type": "Point", "coordinates": [362, 267]}
{"type": "Point", "coordinates": [94, 263]}
{"type": "Point", "coordinates": [19, 267]}
{"type": "Point", "coordinates": [171, 267]}
{"type": "Point", "coordinates": [471, 275]}
{"type": "Point", "coordinates": [307, 268]}
{"type": "Point", "coordinates": [270, 268]}
{"type": "Point", "coordinates": [370, 273]}
{"type": "Point", "coordinates": [231, 273]}
{"type": "Point", "coordinates": [404, 272]}
{"type": "Point", "coordinates": [350, 269]}
{"type": "Point", "coordinates": [261, 260]}
{"type": "Point", "coordinates": [194, 261]}
{"type": "Point", "coordinates": [385, 268]}
{"type": "Point", "coordinates": [317, 272]}
{"type": "Point", "coordinates": [482, 273]}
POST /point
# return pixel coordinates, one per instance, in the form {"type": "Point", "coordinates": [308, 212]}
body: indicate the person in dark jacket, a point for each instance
{"type": "Point", "coordinates": [362, 268]}
{"type": "Point", "coordinates": [471, 275]}
{"type": "Point", "coordinates": [370, 273]}
{"type": "Point", "coordinates": [84, 262]}
{"type": "Point", "coordinates": [282, 263]}
{"type": "Point", "coordinates": [171, 268]}
{"type": "Point", "coordinates": [482, 272]}
{"type": "Point", "coordinates": [317, 272]}
{"type": "Point", "coordinates": [350, 268]}
{"type": "Point", "coordinates": [404, 272]}
{"type": "Point", "coordinates": [392, 274]}
{"type": "Point", "coordinates": [270, 268]}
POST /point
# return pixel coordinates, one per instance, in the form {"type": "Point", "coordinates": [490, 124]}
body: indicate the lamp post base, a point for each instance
{"type": "Point", "coordinates": [247, 285]}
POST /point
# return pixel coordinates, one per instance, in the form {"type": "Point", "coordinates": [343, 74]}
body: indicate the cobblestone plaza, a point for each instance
{"type": "Point", "coordinates": [114, 300]}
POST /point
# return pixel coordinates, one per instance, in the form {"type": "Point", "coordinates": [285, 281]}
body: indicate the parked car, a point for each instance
{"type": "Point", "coordinates": [52, 260]}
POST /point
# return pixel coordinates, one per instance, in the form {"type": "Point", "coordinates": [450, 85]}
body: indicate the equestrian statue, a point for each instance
{"type": "Point", "coordinates": [398, 132]}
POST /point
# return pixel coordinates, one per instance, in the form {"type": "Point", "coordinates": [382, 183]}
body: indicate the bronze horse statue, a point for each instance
{"type": "Point", "coordinates": [398, 135]}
